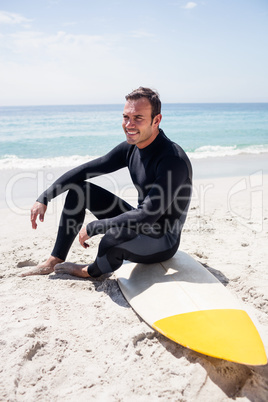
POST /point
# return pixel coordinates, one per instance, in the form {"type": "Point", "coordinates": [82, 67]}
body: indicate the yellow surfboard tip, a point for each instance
{"type": "Point", "coordinates": [227, 334]}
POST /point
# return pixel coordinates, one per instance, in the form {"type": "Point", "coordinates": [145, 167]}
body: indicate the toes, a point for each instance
{"type": "Point", "coordinates": [62, 268]}
{"type": "Point", "coordinates": [59, 270]}
{"type": "Point", "coordinates": [28, 273]}
{"type": "Point", "coordinates": [38, 271]}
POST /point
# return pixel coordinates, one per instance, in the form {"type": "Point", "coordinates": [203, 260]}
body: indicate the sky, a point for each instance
{"type": "Point", "coordinates": [56, 52]}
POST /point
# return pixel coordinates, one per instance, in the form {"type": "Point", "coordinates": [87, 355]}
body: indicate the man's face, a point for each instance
{"type": "Point", "coordinates": [137, 123]}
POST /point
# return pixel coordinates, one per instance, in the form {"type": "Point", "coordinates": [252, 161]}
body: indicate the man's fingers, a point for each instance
{"type": "Point", "coordinates": [37, 209]}
{"type": "Point", "coordinates": [33, 219]}
{"type": "Point", "coordinates": [84, 244]}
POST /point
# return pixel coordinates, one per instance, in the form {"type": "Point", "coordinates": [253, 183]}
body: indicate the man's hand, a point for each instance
{"type": "Point", "coordinates": [83, 236]}
{"type": "Point", "coordinates": [37, 209]}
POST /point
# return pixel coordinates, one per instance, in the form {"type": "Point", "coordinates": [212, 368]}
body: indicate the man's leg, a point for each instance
{"type": "Point", "coordinates": [119, 244]}
{"type": "Point", "coordinates": [102, 203]}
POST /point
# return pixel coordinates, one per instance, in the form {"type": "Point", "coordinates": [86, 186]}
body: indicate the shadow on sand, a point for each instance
{"type": "Point", "coordinates": [235, 380]}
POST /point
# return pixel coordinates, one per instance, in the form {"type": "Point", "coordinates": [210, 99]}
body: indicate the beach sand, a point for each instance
{"type": "Point", "coordinates": [68, 339]}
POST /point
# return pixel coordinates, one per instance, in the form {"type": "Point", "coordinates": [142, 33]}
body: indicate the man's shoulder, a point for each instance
{"type": "Point", "coordinates": [171, 151]}
{"type": "Point", "coordinates": [170, 147]}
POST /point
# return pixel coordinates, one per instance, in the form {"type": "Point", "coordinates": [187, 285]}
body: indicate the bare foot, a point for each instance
{"type": "Point", "coordinates": [72, 269]}
{"type": "Point", "coordinates": [43, 269]}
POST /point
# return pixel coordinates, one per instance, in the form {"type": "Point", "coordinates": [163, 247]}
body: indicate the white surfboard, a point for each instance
{"type": "Point", "coordinates": [186, 303]}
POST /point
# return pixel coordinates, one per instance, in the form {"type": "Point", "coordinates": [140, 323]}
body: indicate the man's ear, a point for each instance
{"type": "Point", "coordinates": [157, 119]}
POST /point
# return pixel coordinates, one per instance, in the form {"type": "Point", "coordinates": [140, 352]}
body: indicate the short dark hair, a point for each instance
{"type": "Point", "coordinates": [152, 96]}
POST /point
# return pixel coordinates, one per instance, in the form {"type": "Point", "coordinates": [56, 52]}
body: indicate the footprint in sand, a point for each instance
{"type": "Point", "coordinates": [26, 263]}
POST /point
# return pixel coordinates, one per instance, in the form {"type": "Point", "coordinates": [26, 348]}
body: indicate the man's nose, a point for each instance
{"type": "Point", "coordinates": [130, 123]}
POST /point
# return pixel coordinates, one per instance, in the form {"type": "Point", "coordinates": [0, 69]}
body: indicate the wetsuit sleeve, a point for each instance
{"type": "Point", "coordinates": [172, 175]}
{"type": "Point", "coordinates": [114, 160]}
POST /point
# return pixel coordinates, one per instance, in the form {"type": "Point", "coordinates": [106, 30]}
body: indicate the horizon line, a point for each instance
{"type": "Point", "coordinates": [120, 104]}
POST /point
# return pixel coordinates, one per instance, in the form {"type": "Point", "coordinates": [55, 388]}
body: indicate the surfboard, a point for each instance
{"type": "Point", "coordinates": [183, 301]}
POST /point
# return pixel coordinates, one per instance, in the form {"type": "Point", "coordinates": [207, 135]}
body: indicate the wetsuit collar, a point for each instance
{"type": "Point", "coordinates": [155, 144]}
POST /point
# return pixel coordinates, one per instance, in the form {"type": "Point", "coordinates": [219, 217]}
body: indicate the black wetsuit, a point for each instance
{"type": "Point", "coordinates": [162, 174]}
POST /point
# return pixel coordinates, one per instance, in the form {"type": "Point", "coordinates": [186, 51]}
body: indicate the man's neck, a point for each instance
{"type": "Point", "coordinates": [149, 141]}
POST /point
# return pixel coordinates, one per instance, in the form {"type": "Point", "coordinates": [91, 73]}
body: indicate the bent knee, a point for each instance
{"type": "Point", "coordinates": [115, 236]}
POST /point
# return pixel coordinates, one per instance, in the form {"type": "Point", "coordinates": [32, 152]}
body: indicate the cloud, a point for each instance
{"type": "Point", "coordinates": [190, 5]}
{"type": "Point", "coordinates": [40, 68]}
{"type": "Point", "coordinates": [12, 18]}
{"type": "Point", "coordinates": [64, 51]}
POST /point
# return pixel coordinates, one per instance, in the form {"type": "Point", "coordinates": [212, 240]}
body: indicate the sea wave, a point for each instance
{"type": "Point", "coordinates": [14, 162]}
{"type": "Point", "coordinates": [207, 151]}
{"type": "Point", "coordinates": [212, 151]}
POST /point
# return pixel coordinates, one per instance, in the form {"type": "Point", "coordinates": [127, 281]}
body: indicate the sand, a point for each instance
{"type": "Point", "coordinates": [68, 339]}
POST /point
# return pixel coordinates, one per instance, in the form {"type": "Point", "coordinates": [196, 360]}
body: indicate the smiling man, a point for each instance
{"type": "Point", "coordinates": [162, 175]}
{"type": "Point", "coordinates": [141, 122]}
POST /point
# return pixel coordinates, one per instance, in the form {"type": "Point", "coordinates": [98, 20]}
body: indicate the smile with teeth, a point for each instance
{"type": "Point", "coordinates": [129, 132]}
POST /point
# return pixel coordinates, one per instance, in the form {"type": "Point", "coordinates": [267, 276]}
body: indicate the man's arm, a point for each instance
{"type": "Point", "coordinates": [172, 173]}
{"type": "Point", "coordinates": [114, 160]}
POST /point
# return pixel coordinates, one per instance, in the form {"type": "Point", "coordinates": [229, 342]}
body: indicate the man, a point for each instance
{"type": "Point", "coordinates": [162, 174]}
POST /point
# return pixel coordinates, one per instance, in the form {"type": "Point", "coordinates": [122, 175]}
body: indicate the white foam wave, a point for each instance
{"type": "Point", "coordinates": [210, 151]}
{"type": "Point", "coordinates": [14, 162]}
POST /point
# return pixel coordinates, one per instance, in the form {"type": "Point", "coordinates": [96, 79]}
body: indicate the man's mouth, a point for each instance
{"type": "Point", "coordinates": [129, 132]}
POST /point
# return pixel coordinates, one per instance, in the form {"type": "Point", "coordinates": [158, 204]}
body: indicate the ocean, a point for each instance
{"type": "Point", "coordinates": [58, 136]}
